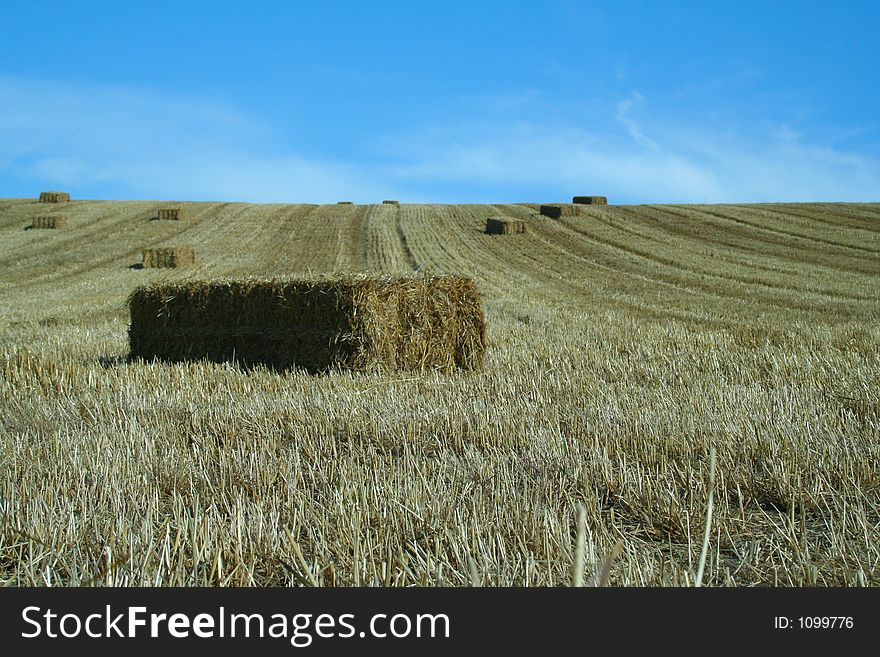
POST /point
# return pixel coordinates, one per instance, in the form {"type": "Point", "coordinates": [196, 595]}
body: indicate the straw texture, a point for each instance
{"type": "Point", "coordinates": [505, 226]}
{"type": "Point", "coordinates": [49, 221]}
{"type": "Point", "coordinates": [54, 197]}
{"type": "Point", "coordinates": [175, 256]}
{"type": "Point", "coordinates": [359, 323]}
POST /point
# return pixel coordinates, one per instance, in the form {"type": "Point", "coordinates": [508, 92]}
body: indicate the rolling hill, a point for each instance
{"type": "Point", "coordinates": [624, 343]}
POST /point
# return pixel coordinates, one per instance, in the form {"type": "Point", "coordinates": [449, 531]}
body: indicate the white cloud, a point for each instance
{"type": "Point", "coordinates": [615, 156]}
{"type": "Point", "coordinates": [150, 145]}
{"type": "Point", "coordinates": [142, 144]}
{"type": "Point", "coordinates": [624, 116]}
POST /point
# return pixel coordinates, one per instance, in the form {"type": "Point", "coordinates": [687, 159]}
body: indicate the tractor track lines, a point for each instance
{"type": "Point", "coordinates": [772, 246]}
{"type": "Point", "coordinates": [695, 263]}
{"type": "Point", "coordinates": [752, 225]}
{"type": "Point", "coordinates": [702, 267]}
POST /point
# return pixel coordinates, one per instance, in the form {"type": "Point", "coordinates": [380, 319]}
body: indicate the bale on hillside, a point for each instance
{"type": "Point", "coordinates": [344, 203]}
{"type": "Point", "coordinates": [356, 322]}
{"type": "Point", "coordinates": [561, 210]}
{"type": "Point", "coordinates": [391, 202]}
{"type": "Point", "coordinates": [54, 197]}
{"type": "Point", "coordinates": [49, 221]}
{"type": "Point", "coordinates": [590, 200]}
{"type": "Point", "coordinates": [173, 214]}
{"type": "Point", "coordinates": [175, 256]}
{"type": "Point", "coordinates": [504, 226]}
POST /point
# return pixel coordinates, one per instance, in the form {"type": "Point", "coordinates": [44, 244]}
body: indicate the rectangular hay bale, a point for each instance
{"type": "Point", "coordinates": [54, 197]}
{"type": "Point", "coordinates": [561, 210]}
{"type": "Point", "coordinates": [172, 214]}
{"type": "Point", "coordinates": [505, 226]}
{"type": "Point", "coordinates": [49, 221]}
{"type": "Point", "coordinates": [357, 322]}
{"type": "Point", "coordinates": [173, 257]}
{"type": "Point", "coordinates": [590, 200]}
{"type": "Point", "coordinates": [344, 203]}
{"type": "Point", "coordinates": [391, 202]}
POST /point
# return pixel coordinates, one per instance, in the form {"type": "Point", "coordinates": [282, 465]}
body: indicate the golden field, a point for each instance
{"type": "Point", "coordinates": [626, 344]}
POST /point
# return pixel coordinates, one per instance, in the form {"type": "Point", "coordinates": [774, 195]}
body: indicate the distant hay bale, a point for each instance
{"type": "Point", "coordinates": [173, 257]}
{"type": "Point", "coordinates": [344, 203]}
{"type": "Point", "coordinates": [556, 211]}
{"type": "Point", "coordinates": [49, 221]}
{"type": "Point", "coordinates": [391, 202]}
{"type": "Point", "coordinates": [172, 214]}
{"type": "Point", "coordinates": [590, 200]}
{"type": "Point", "coordinates": [357, 322]}
{"type": "Point", "coordinates": [54, 197]}
{"type": "Point", "coordinates": [505, 226]}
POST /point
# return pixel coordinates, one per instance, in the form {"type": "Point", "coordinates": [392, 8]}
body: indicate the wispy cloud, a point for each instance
{"type": "Point", "coordinates": [649, 159]}
{"type": "Point", "coordinates": [624, 116]}
{"type": "Point", "coordinates": [150, 145]}
{"type": "Point", "coordinates": [104, 142]}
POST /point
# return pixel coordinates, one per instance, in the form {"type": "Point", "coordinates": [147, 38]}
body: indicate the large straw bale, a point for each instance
{"type": "Point", "coordinates": [391, 202]}
{"type": "Point", "coordinates": [175, 256]}
{"type": "Point", "coordinates": [344, 203]}
{"type": "Point", "coordinates": [54, 197]}
{"type": "Point", "coordinates": [49, 221]}
{"type": "Point", "coordinates": [173, 214]}
{"type": "Point", "coordinates": [590, 200]}
{"type": "Point", "coordinates": [504, 226]}
{"type": "Point", "coordinates": [357, 322]}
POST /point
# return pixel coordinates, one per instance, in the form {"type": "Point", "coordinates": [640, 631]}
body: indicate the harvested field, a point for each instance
{"type": "Point", "coordinates": [590, 200]}
{"type": "Point", "coordinates": [49, 221]}
{"type": "Point", "coordinates": [172, 257]}
{"type": "Point", "coordinates": [505, 226]}
{"type": "Point", "coordinates": [359, 323]}
{"type": "Point", "coordinates": [619, 352]}
{"type": "Point", "coordinates": [54, 197]}
{"type": "Point", "coordinates": [171, 214]}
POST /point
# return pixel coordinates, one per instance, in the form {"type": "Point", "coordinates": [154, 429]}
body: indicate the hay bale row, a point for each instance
{"type": "Point", "coordinates": [173, 257]}
{"type": "Point", "coordinates": [504, 226]}
{"type": "Point", "coordinates": [49, 221]}
{"type": "Point", "coordinates": [391, 202]}
{"type": "Point", "coordinates": [590, 200]}
{"type": "Point", "coordinates": [172, 214]}
{"type": "Point", "coordinates": [357, 323]}
{"type": "Point", "coordinates": [54, 197]}
{"type": "Point", "coordinates": [556, 211]}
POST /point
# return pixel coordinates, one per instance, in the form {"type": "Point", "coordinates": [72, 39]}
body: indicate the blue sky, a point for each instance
{"type": "Point", "coordinates": [645, 102]}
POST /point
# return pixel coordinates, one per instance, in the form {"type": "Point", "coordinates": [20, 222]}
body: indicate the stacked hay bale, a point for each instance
{"type": "Point", "coordinates": [172, 214]}
{"type": "Point", "coordinates": [391, 202]}
{"type": "Point", "coordinates": [173, 257]}
{"type": "Point", "coordinates": [590, 200]}
{"type": "Point", "coordinates": [54, 197]}
{"type": "Point", "coordinates": [49, 221]}
{"type": "Point", "coordinates": [359, 323]}
{"type": "Point", "coordinates": [344, 203]}
{"type": "Point", "coordinates": [562, 210]}
{"type": "Point", "coordinates": [504, 226]}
